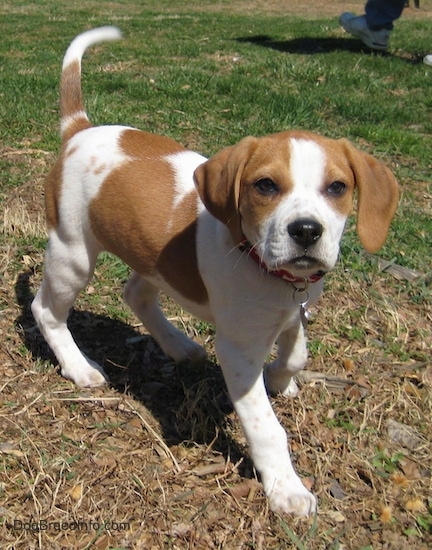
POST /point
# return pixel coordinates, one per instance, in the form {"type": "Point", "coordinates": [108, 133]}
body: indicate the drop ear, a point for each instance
{"type": "Point", "coordinates": [378, 195]}
{"type": "Point", "coordinates": [218, 184]}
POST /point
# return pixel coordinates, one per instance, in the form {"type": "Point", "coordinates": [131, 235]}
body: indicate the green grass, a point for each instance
{"type": "Point", "coordinates": [209, 81]}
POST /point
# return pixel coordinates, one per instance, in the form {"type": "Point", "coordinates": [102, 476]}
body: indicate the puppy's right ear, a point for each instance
{"type": "Point", "coordinates": [218, 184]}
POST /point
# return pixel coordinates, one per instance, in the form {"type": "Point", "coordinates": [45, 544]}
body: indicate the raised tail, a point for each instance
{"type": "Point", "coordinates": [73, 115]}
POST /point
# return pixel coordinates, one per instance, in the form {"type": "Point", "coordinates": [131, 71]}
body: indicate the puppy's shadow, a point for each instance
{"type": "Point", "coordinates": [190, 402]}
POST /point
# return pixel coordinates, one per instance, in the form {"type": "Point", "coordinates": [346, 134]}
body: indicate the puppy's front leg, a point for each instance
{"type": "Point", "coordinates": [292, 357]}
{"type": "Point", "coordinates": [266, 437]}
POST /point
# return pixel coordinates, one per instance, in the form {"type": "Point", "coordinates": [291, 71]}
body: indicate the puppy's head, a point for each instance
{"type": "Point", "coordinates": [289, 195]}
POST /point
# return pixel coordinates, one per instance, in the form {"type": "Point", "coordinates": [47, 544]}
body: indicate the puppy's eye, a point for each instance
{"type": "Point", "coordinates": [266, 186]}
{"type": "Point", "coordinates": [336, 189]}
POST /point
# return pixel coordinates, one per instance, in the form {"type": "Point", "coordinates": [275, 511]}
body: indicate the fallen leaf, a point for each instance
{"type": "Point", "coordinates": [353, 392]}
{"type": "Point", "coordinates": [242, 490]}
{"type": "Point", "coordinates": [210, 469]}
{"type": "Point", "coordinates": [180, 529]}
{"type": "Point", "coordinates": [337, 516]}
{"type": "Point", "coordinates": [403, 434]}
{"type": "Point", "coordinates": [410, 468]}
{"type": "Point", "coordinates": [102, 542]}
{"type": "Point", "coordinates": [336, 490]}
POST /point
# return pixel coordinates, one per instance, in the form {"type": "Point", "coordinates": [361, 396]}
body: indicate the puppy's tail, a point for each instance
{"type": "Point", "coordinates": [73, 115]}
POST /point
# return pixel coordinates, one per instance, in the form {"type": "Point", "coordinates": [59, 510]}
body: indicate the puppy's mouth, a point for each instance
{"type": "Point", "coordinates": [298, 269]}
{"type": "Point", "coordinates": [302, 266]}
{"type": "Point", "coordinates": [305, 263]}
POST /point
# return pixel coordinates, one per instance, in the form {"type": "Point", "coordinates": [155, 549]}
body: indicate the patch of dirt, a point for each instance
{"type": "Point", "coordinates": [158, 459]}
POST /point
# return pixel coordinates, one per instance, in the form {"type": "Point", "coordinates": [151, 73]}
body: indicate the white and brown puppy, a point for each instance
{"type": "Point", "coordinates": [230, 238]}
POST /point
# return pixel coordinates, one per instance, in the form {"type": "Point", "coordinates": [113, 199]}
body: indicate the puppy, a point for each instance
{"type": "Point", "coordinates": [242, 240]}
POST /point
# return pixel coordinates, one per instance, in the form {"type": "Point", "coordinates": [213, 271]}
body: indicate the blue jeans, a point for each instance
{"type": "Point", "coordinates": [380, 14]}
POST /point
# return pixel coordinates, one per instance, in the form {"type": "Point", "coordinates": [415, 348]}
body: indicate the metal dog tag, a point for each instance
{"type": "Point", "coordinates": [301, 297]}
{"type": "Point", "coordinates": [304, 316]}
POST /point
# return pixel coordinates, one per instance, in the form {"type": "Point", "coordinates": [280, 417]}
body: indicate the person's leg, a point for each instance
{"type": "Point", "coordinates": [375, 26]}
{"type": "Point", "coordinates": [380, 14]}
{"type": "Point", "coordinates": [357, 26]}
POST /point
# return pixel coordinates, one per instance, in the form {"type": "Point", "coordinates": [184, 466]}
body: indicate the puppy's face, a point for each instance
{"type": "Point", "coordinates": [294, 198]}
{"type": "Point", "coordinates": [289, 195]}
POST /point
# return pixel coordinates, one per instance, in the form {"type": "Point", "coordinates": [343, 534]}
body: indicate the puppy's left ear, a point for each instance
{"type": "Point", "coordinates": [218, 184]}
{"type": "Point", "coordinates": [378, 195]}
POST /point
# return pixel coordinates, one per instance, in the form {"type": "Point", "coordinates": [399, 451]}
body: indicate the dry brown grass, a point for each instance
{"type": "Point", "coordinates": [160, 454]}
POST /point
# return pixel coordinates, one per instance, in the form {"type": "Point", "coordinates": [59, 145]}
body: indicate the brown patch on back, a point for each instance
{"type": "Point", "coordinates": [148, 147]}
{"type": "Point", "coordinates": [133, 215]}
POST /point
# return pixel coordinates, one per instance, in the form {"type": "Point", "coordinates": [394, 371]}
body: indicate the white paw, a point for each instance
{"type": "Point", "coordinates": [279, 381]}
{"type": "Point", "coordinates": [291, 390]}
{"type": "Point", "coordinates": [184, 350]}
{"type": "Point", "coordinates": [87, 375]}
{"type": "Point", "coordinates": [297, 500]}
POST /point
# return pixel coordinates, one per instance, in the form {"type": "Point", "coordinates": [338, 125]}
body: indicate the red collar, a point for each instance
{"type": "Point", "coordinates": [281, 273]}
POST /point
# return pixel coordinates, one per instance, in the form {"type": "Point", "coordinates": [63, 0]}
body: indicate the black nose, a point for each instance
{"type": "Point", "coordinates": [305, 231]}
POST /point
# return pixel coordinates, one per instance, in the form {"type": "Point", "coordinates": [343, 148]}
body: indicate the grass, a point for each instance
{"type": "Point", "coordinates": [136, 453]}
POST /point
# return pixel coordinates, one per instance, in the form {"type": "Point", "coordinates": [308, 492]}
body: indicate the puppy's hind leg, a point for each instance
{"type": "Point", "coordinates": [142, 298]}
{"type": "Point", "coordinates": [292, 357]}
{"type": "Point", "coordinates": [69, 265]}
